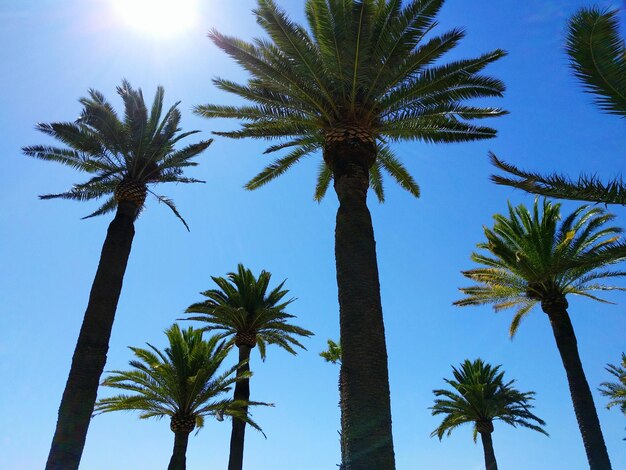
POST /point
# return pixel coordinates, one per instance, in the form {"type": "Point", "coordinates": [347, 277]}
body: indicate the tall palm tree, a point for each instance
{"type": "Point", "coordinates": [529, 259]}
{"type": "Point", "coordinates": [616, 391]}
{"type": "Point", "coordinates": [598, 59]}
{"type": "Point", "coordinates": [359, 78]}
{"type": "Point", "coordinates": [242, 310]}
{"type": "Point", "coordinates": [124, 157]}
{"type": "Point", "coordinates": [181, 383]}
{"type": "Point", "coordinates": [480, 396]}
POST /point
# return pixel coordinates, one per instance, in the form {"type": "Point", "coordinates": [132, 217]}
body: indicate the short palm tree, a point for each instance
{"type": "Point", "coordinates": [529, 259]}
{"type": "Point", "coordinates": [481, 396]}
{"type": "Point", "coordinates": [360, 77]}
{"type": "Point", "coordinates": [181, 383]}
{"type": "Point", "coordinates": [124, 158]}
{"type": "Point", "coordinates": [244, 311]}
{"type": "Point", "coordinates": [598, 58]}
{"type": "Point", "coordinates": [616, 391]}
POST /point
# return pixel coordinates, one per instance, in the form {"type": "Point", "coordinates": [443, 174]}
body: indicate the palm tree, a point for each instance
{"type": "Point", "coordinates": [598, 58]}
{"type": "Point", "coordinates": [242, 310]}
{"type": "Point", "coordinates": [480, 396]}
{"type": "Point", "coordinates": [181, 383]}
{"type": "Point", "coordinates": [359, 78]}
{"type": "Point", "coordinates": [124, 157]}
{"type": "Point", "coordinates": [616, 391]}
{"type": "Point", "coordinates": [530, 258]}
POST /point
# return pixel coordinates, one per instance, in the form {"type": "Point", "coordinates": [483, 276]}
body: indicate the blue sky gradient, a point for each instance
{"type": "Point", "coordinates": [53, 51]}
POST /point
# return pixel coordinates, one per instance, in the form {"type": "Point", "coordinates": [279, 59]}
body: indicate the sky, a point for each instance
{"type": "Point", "coordinates": [53, 51]}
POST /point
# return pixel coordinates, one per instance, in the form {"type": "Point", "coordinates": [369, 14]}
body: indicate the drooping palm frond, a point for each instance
{"type": "Point", "coordinates": [533, 255]}
{"type": "Point", "coordinates": [242, 304]}
{"type": "Point", "coordinates": [140, 147]}
{"type": "Point", "coordinates": [182, 380]}
{"type": "Point", "coordinates": [479, 394]}
{"type": "Point", "coordinates": [616, 391]}
{"type": "Point", "coordinates": [369, 64]}
{"type": "Point", "coordinates": [586, 188]}
{"type": "Point", "coordinates": [598, 57]}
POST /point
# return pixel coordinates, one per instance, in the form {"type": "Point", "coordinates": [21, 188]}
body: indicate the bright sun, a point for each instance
{"type": "Point", "coordinates": [160, 18]}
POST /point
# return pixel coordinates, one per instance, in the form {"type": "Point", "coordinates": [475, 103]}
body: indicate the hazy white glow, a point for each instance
{"type": "Point", "coordinates": [157, 17]}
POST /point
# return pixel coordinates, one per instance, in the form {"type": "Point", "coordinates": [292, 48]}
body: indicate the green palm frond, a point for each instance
{"type": "Point", "coordinates": [182, 380]}
{"type": "Point", "coordinates": [243, 304]}
{"type": "Point", "coordinates": [585, 188]}
{"type": "Point", "coordinates": [531, 255]}
{"type": "Point", "coordinates": [598, 58]}
{"type": "Point", "coordinates": [140, 147]}
{"type": "Point", "coordinates": [480, 394]}
{"type": "Point", "coordinates": [616, 391]}
{"type": "Point", "coordinates": [372, 64]}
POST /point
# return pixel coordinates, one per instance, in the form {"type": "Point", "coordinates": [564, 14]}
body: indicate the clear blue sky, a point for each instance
{"type": "Point", "coordinates": [53, 51]}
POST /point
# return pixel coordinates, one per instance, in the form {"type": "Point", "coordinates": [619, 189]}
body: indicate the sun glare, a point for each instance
{"type": "Point", "coordinates": [161, 18]}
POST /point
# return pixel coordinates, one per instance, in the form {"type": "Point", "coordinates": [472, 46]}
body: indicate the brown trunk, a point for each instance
{"type": "Point", "coordinates": [366, 408]}
{"type": "Point", "coordinates": [584, 407]}
{"type": "Point", "coordinates": [242, 392]}
{"type": "Point", "coordinates": [90, 354]}
{"type": "Point", "coordinates": [490, 456]}
{"type": "Point", "coordinates": [179, 454]}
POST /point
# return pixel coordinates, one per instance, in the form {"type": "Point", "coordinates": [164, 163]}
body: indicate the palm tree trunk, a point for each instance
{"type": "Point", "coordinates": [490, 456]}
{"type": "Point", "coordinates": [242, 392]}
{"type": "Point", "coordinates": [91, 350]}
{"type": "Point", "coordinates": [366, 407]}
{"type": "Point", "coordinates": [584, 407]}
{"type": "Point", "coordinates": [179, 454]}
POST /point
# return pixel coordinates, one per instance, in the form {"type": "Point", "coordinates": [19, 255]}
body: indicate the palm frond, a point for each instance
{"type": "Point", "coordinates": [598, 58]}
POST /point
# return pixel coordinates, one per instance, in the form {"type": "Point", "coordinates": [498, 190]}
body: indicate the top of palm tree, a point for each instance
{"type": "Point", "coordinates": [137, 149]}
{"type": "Point", "coordinates": [598, 57]}
{"type": "Point", "coordinates": [333, 353]}
{"type": "Point", "coordinates": [479, 395]}
{"type": "Point", "coordinates": [243, 310]}
{"type": "Point", "coordinates": [363, 67]}
{"type": "Point", "coordinates": [180, 382]}
{"type": "Point", "coordinates": [616, 391]}
{"type": "Point", "coordinates": [533, 256]}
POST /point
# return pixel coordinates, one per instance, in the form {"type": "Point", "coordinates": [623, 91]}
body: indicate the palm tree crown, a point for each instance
{"type": "Point", "coordinates": [181, 382]}
{"type": "Point", "coordinates": [123, 155]}
{"type": "Point", "coordinates": [242, 309]}
{"type": "Point", "coordinates": [616, 391]}
{"type": "Point", "coordinates": [532, 258]}
{"type": "Point", "coordinates": [480, 396]}
{"type": "Point", "coordinates": [362, 72]}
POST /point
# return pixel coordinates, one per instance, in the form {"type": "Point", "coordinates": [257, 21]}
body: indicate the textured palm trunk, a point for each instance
{"type": "Point", "coordinates": [490, 456]}
{"type": "Point", "coordinates": [179, 454]}
{"type": "Point", "coordinates": [584, 407]}
{"type": "Point", "coordinates": [242, 392]}
{"type": "Point", "coordinates": [91, 350]}
{"type": "Point", "coordinates": [366, 407]}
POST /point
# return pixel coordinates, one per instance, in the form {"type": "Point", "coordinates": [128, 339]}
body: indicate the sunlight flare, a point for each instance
{"type": "Point", "coordinates": [160, 18]}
